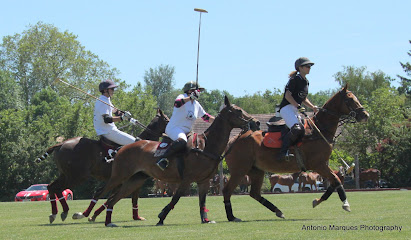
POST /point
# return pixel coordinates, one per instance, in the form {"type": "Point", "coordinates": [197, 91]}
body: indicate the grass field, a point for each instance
{"type": "Point", "coordinates": [388, 208]}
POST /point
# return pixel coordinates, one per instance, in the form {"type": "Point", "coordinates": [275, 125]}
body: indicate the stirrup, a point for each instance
{"type": "Point", "coordinates": [162, 163]}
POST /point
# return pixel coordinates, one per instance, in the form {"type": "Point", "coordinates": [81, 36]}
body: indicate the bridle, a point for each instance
{"type": "Point", "coordinates": [344, 118]}
{"type": "Point", "coordinates": [245, 127]}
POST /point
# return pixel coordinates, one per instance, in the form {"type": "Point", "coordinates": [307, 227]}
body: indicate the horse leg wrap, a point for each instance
{"type": "Point", "coordinates": [90, 207]}
{"type": "Point", "coordinates": [63, 202]}
{"type": "Point", "coordinates": [135, 212]}
{"type": "Point", "coordinates": [108, 216]}
{"type": "Point", "coordinates": [267, 204]}
{"type": "Point", "coordinates": [341, 193]}
{"type": "Point", "coordinates": [53, 206]}
{"type": "Point", "coordinates": [229, 211]}
{"type": "Point", "coordinates": [98, 211]}
{"type": "Point", "coordinates": [327, 193]}
{"type": "Point", "coordinates": [203, 214]}
{"type": "Point", "coordinates": [163, 214]}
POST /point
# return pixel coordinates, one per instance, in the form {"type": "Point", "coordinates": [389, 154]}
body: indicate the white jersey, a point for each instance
{"type": "Point", "coordinates": [185, 116]}
{"type": "Point", "coordinates": [99, 110]}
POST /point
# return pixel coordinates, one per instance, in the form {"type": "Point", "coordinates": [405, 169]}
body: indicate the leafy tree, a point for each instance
{"type": "Point", "coordinates": [9, 92]}
{"type": "Point", "coordinates": [362, 83]}
{"type": "Point", "coordinates": [42, 54]}
{"type": "Point", "coordinates": [405, 87]}
{"type": "Point", "coordinates": [161, 80]}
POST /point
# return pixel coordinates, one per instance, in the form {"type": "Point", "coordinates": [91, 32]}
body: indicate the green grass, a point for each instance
{"type": "Point", "coordinates": [388, 208]}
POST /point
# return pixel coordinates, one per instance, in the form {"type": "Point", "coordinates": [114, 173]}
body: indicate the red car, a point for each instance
{"type": "Point", "coordinates": [39, 192]}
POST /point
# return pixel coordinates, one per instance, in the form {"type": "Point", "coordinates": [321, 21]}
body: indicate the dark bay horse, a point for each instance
{"type": "Point", "coordinates": [79, 158]}
{"type": "Point", "coordinates": [249, 156]}
{"type": "Point", "coordinates": [136, 162]}
{"type": "Point", "coordinates": [286, 180]}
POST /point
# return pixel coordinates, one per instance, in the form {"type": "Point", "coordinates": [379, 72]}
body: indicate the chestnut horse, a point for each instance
{"type": "Point", "coordinates": [79, 158]}
{"type": "Point", "coordinates": [249, 156]}
{"type": "Point", "coordinates": [286, 180]}
{"type": "Point", "coordinates": [371, 174]}
{"type": "Point", "coordinates": [136, 162]}
{"type": "Point", "coordinates": [308, 178]}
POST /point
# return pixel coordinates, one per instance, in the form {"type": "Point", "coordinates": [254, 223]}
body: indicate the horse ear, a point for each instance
{"type": "Point", "coordinates": [159, 111]}
{"type": "Point", "coordinates": [345, 87]}
{"type": "Point", "coordinates": [226, 101]}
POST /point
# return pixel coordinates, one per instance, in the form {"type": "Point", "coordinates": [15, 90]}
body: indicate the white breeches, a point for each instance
{"type": "Point", "coordinates": [176, 133]}
{"type": "Point", "coordinates": [290, 115]}
{"type": "Point", "coordinates": [120, 137]}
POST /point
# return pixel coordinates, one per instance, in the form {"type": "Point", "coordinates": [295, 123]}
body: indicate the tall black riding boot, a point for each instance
{"type": "Point", "coordinates": [284, 154]}
{"type": "Point", "coordinates": [174, 148]}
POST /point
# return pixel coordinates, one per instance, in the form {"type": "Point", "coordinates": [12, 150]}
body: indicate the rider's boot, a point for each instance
{"type": "Point", "coordinates": [284, 152]}
{"type": "Point", "coordinates": [174, 148]}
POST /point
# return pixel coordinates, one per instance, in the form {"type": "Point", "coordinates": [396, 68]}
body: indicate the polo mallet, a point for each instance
{"type": "Point", "coordinates": [134, 121]}
{"type": "Point", "coordinates": [78, 89]}
{"type": "Point", "coordinates": [198, 47]}
{"type": "Point", "coordinates": [348, 168]}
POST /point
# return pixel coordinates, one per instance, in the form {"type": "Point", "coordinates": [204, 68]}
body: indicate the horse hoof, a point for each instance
{"type": "Point", "coordinates": [91, 219]}
{"type": "Point", "coordinates": [111, 225]}
{"type": "Point", "coordinates": [346, 207]}
{"type": "Point", "coordinates": [78, 215]}
{"type": "Point", "coordinates": [52, 217]}
{"type": "Point", "coordinates": [63, 216]}
{"type": "Point", "coordinates": [139, 218]}
{"type": "Point", "coordinates": [208, 221]}
{"type": "Point", "coordinates": [159, 224]}
{"type": "Point", "coordinates": [280, 214]}
{"type": "Point", "coordinates": [315, 203]}
{"type": "Point", "coordinates": [236, 220]}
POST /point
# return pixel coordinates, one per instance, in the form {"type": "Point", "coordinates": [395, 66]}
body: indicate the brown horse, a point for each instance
{"type": "Point", "coordinates": [286, 180]}
{"type": "Point", "coordinates": [136, 162]}
{"type": "Point", "coordinates": [308, 178]}
{"type": "Point", "coordinates": [79, 158]}
{"type": "Point", "coordinates": [244, 184]}
{"type": "Point", "coordinates": [372, 175]}
{"type": "Point", "coordinates": [249, 156]}
{"type": "Point", "coordinates": [215, 184]}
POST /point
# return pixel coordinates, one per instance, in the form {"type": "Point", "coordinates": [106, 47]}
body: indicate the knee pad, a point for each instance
{"type": "Point", "coordinates": [297, 132]}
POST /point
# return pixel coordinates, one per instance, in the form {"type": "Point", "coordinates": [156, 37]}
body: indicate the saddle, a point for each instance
{"type": "Point", "coordinates": [108, 145]}
{"type": "Point", "coordinates": [193, 142]}
{"type": "Point", "coordinates": [277, 129]}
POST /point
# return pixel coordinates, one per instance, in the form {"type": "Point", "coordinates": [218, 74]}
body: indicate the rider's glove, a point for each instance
{"type": "Point", "coordinates": [126, 116]}
{"type": "Point", "coordinates": [301, 109]}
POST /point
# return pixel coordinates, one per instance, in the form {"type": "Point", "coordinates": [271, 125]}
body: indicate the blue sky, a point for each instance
{"type": "Point", "coordinates": [246, 46]}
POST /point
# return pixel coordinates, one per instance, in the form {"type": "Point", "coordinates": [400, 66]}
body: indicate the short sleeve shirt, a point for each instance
{"type": "Point", "coordinates": [185, 116]}
{"type": "Point", "coordinates": [99, 110]}
{"type": "Point", "coordinates": [298, 86]}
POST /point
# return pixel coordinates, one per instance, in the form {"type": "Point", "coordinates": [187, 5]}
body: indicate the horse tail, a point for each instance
{"type": "Point", "coordinates": [48, 152]}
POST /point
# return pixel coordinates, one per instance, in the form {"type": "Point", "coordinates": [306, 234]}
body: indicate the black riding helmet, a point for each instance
{"type": "Point", "coordinates": [191, 86]}
{"type": "Point", "coordinates": [106, 85]}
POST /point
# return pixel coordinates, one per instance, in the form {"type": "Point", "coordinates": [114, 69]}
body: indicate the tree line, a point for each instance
{"type": "Point", "coordinates": [36, 111]}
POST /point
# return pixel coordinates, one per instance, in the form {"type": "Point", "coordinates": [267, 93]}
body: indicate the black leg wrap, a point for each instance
{"type": "Point", "coordinates": [327, 193]}
{"type": "Point", "coordinates": [164, 212]}
{"type": "Point", "coordinates": [229, 211]}
{"type": "Point", "coordinates": [341, 193]}
{"type": "Point", "coordinates": [267, 204]}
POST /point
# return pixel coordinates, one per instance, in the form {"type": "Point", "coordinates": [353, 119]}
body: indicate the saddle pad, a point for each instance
{"type": "Point", "coordinates": [162, 147]}
{"type": "Point", "coordinates": [272, 140]}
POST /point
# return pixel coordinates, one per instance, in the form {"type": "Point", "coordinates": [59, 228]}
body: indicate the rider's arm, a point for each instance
{"type": "Point", "coordinates": [310, 105]}
{"type": "Point", "coordinates": [109, 119]}
{"type": "Point", "coordinates": [181, 101]}
{"type": "Point", "coordinates": [290, 99]}
{"type": "Point", "coordinates": [208, 118]}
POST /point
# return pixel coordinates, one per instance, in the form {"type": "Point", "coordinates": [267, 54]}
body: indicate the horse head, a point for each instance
{"type": "Point", "coordinates": [237, 117]}
{"type": "Point", "coordinates": [158, 125]}
{"type": "Point", "coordinates": [346, 103]}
